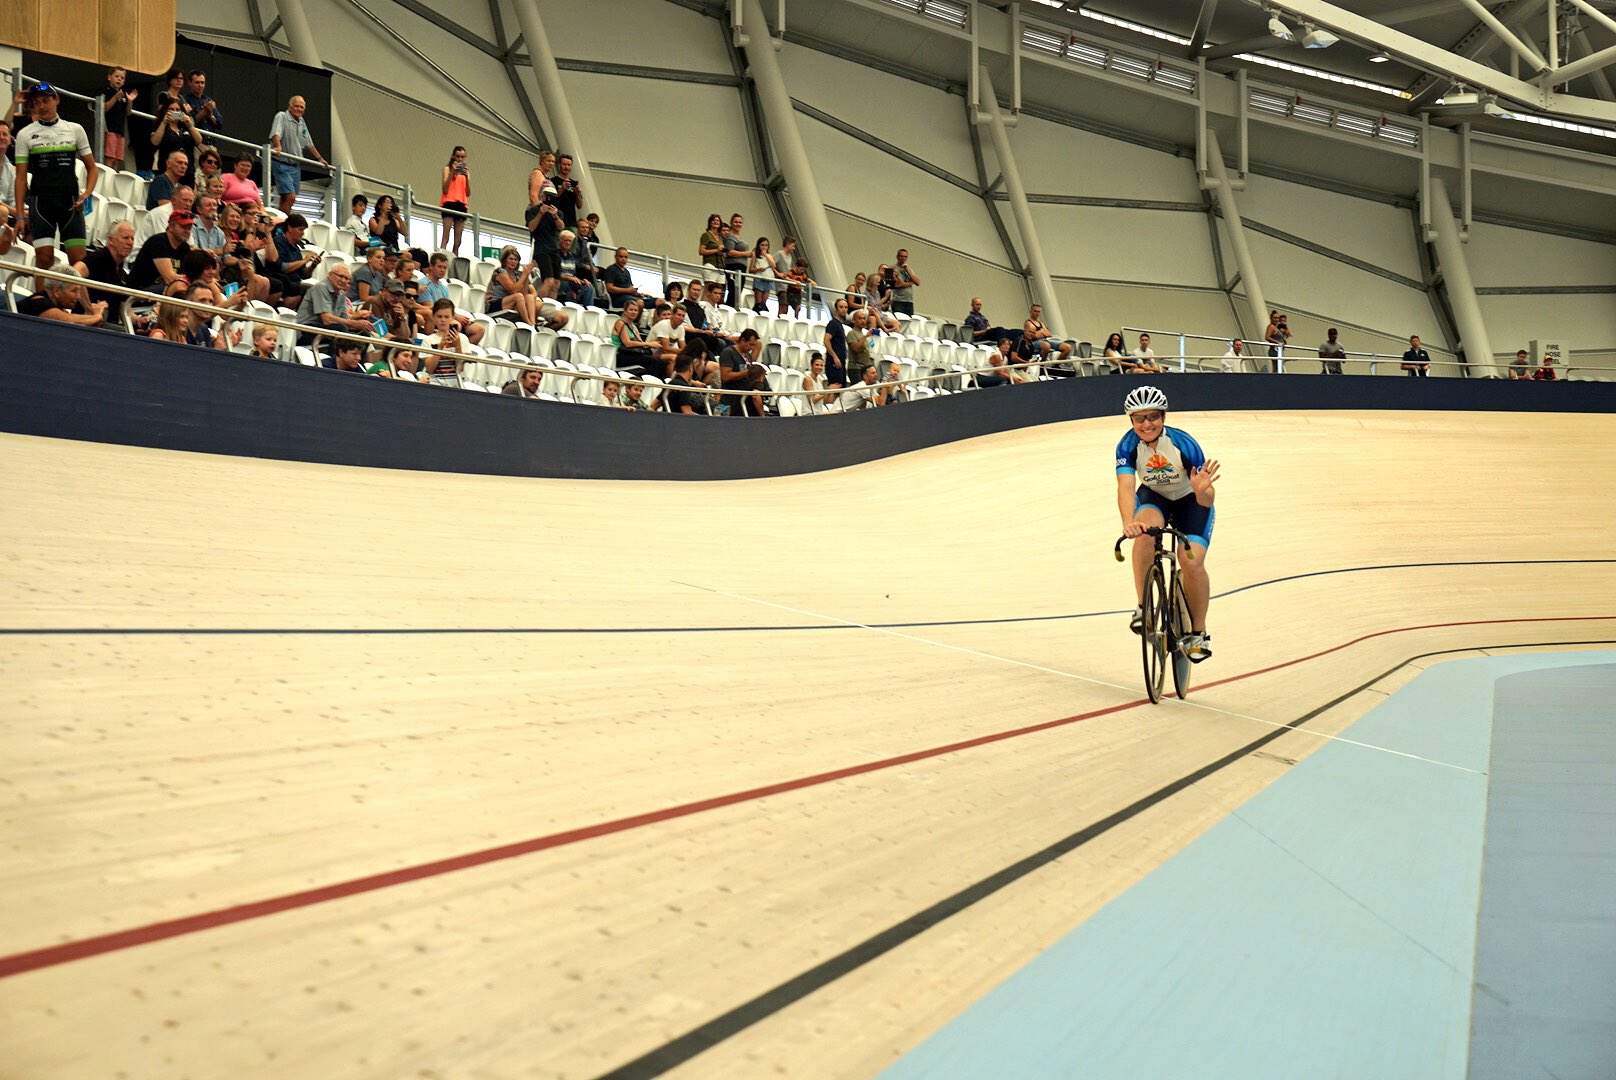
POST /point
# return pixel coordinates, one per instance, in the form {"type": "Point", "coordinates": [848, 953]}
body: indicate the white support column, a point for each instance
{"type": "Point", "coordinates": [806, 206]}
{"type": "Point", "coordinates": [1457, 283]}
{"type": "Point", "coordinates": [1237, 232]}
{"type": "Point", "coordinates": [305, 51]}
{"type": "Point", "coordinates": [1043, 284]}
{"type": "Point", "coordinates": [548, 77]}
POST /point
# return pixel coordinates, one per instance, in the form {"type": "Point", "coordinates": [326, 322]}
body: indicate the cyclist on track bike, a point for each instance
{"type": "Point", "coordinates": [1164, 478]}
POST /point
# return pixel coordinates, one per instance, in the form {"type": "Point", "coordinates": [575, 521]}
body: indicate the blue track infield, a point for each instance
{"type": "Point", "coordinates": [1329, 926]}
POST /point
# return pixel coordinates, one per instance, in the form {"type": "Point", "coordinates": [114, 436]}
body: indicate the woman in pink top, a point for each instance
{"type": "Point", "coordinates": [456, 196]}
{"type": "Point", "coordinates": [239, 187]}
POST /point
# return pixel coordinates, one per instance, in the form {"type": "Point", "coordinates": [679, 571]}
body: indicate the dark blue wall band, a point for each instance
{"type": "Point", "coordinates": [96, 385]}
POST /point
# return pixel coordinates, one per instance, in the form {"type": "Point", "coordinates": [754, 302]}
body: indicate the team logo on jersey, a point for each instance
{"type": "Point", "coordinates": [1158, 469]}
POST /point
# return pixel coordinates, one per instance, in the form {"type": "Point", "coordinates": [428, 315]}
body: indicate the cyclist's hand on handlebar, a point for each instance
{"type": "Point", "coordinates": [1134, 529]}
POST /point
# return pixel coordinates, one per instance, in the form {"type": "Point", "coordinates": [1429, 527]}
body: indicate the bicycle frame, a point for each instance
{"type": "Point", "coordinates": [1165, 612]}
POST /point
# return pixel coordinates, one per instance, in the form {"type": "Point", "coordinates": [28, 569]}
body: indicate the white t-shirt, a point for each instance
{"type": "Point", "coordinates": [859, 396]}
{"type": "Point", "coordinates": [1233, 361]}
{"type": "Point", "coordinates": [715, 321]}
{"type": "Point", "coordinates": [356, 226]}
{"type": "Point", "coordinates": [664, 329]}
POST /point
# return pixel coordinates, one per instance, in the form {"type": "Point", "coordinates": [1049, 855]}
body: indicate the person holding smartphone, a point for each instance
{"type": "Point", "coordinates": [455, 200]}
{"type": "Point", "coordinates": [175, 131]}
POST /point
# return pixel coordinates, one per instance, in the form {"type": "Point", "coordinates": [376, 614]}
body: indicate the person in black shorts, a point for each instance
{"type": "Point", "coordinates": [47, 185]}
{"type": "Point", "coordinates": [544, 224]}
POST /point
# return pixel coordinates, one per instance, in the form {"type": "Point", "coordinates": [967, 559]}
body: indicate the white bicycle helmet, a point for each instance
{"type": "Point", "coordinates": [1143, 398]}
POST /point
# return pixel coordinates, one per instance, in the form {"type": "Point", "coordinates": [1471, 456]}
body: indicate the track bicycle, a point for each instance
{"type": "Point", "coordinates": [1166, 613]}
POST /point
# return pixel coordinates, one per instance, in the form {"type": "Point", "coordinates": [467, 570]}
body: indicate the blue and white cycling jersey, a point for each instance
{"type": "Point", "coordinates": [1165, 467]}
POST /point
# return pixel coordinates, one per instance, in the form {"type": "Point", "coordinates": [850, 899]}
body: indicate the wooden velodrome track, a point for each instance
{"type": "Point", "coordinates": [687, 816]}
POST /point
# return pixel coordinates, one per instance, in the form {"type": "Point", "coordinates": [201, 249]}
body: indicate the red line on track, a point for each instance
{"type": "Point", "coordinates": [50, 956]}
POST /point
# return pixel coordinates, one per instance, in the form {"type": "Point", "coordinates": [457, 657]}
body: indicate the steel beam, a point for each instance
{"type": "Point", "coordinates": [518, 87]}
{"type": "Point", "coordinates": [1224, 194]}
{"type": "Point", "coordinates": [1477, 44]}
{"type": "Point", "coordinates": [548, 77]}
{"type": "Point", "coordinates": [808, 210]}
{"type": "Point", "coordinates": [1524, 49]}
{"type": "Point", "coordinates": [437, 69]}
{"type": "Point", "coordinates": [1043, 284]}
{"type": "Point", "coordinates": [1416, 12]}
{"type": "Point", "coordinates": [1601, 81]}
{"type": "Point", "coordinates": [1203, 26]}
{"type": "Point", "coordinates": [1457, 284]}
{"type": "Point", "coordinates": [305, 51]}
{"type": "Point", "coordinates": [1598, 61]}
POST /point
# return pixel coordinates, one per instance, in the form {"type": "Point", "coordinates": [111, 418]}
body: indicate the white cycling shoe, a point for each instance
{"type": "Point", "coordinates": [1196, 646]}
{"type": "Point", "coordinates": [1137, 623]}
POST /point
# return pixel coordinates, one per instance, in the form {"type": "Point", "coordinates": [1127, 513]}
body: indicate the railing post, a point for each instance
{"type": "Point", "coordinates": [409, 210]}
{"type": "Point", "coordinates": [665, 272]}
{"type": "Point", "coordinates": [1279, 360]}
{"type": "Point", "coordinates": [99, 145]}
{"type": "Point", "coordinates": [1182, 362]}
{"type": "Point", "coordinates": [476, 236]}
{"type": "Point", "coordinates": [339, 193]}
{"type": "Point", "coordinates": [269, 174]}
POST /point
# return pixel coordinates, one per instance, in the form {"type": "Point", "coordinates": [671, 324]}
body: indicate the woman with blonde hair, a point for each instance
{"type": "Point", "coordinates": [511, 289]}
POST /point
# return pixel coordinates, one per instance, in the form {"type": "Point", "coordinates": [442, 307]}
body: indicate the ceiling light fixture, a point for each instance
{"type": "Point", "coordinates": [1278, 29]}
{"type": "Point", "coordinates": [1380, 58]}
{"type": "Point", "coordinates": [1314, 38]}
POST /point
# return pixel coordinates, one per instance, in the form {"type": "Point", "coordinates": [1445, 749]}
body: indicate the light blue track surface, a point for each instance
{"type": "Point", "coordinates": [1325, 929]}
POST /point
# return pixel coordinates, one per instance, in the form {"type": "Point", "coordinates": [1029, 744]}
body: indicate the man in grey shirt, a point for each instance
{"type": "Point", "coordinates": [289, 134]}
{"type": "Point", "coordinates": [326, 306]}
{"type": "Point", "coordinates": [1331, 354]}
{"type": "Point", "coordinates": [904, 280]}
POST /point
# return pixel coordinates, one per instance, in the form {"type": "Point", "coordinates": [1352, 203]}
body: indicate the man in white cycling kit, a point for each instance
{"type": "Point", "coordinates": [47, 191]}
{"type": "Point", "coordinates": [1164, 478]}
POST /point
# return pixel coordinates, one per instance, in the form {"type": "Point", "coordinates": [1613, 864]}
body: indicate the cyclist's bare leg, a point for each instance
{"type": "Point", "coordinates": [1144, 548]}
{"type": "Point", "coordinates": [1197, 586]}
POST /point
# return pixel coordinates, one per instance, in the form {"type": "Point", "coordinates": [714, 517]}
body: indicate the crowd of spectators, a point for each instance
{"type": "Point", "coordinates": [209, 236]}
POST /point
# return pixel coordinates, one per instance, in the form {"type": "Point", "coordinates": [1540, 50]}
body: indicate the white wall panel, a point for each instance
{"type": "Point", "coordinates": [1500, 256]}
{"type": "Point", "coordinates": [219, 14]}
{"type": "Point", "coordinates": [949, 279]}
{"type": "Point", "coordinates": [1374, 232]}
{"type": "Point", "coordinates": [927, 123]}
{"type": "Point", "coordinates": [1096, 309]}
{"type": "Point", "coordinates": [1585, 322]}
{"type": "Point", "coordinates": [654, 214]}
{"type": "Point", "coordinates": [374, 123]}
{"type": "Point", "coordinates": [349, 41]}
{"type": "Point", "coordinates": [618, 116]}
{"type": "Point", "coordinates": [872, 184]}
{"type": "Point", "coordinates": [1294, 277]}
{"type": "Point", "coordinates": [651, 33]}
{"type": "Point", "coordinates": [1060, 160]}
{"type": "Point", "coordinates": [1158, 246]}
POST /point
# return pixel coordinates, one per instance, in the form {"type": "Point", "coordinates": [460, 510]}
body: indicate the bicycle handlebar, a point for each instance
{"type": "Point", "coordinates": [1165, 530]}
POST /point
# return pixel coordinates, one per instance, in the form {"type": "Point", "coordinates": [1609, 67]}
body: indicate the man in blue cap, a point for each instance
{"type": "Point", "coordinates": [47, 187]}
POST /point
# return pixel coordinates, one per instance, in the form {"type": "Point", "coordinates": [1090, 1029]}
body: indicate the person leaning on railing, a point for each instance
{"type": "Point", "coordinates": [63, 301]}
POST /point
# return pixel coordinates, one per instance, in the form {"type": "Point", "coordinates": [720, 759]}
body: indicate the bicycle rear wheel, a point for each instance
{"type": "Point", "coordinates": [1153, 633]}
{"type": "Point", "coordinates": [1178, 628]}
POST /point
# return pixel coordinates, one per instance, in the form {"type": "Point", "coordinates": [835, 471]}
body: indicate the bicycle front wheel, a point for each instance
{"type": "Point", "coordinates": [1153, 633]}
{"type": "Point", "coordinates": [1180, 626]}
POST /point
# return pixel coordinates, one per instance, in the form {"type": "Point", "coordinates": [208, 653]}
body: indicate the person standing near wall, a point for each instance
{"type": "Point", "coordinates": [1417, 362]}
{"type": "Point", "coordinates": [1331, 354]}
{"type": "Point", "coordinates": [289, 134]}
{"type": "Point", "coordinates": [456, 198]}
{"type": "Point", "coordinates": [904, 283]}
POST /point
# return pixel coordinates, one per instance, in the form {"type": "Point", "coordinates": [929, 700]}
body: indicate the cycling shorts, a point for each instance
{"type": "Point", "coordinates": [1186, 515]}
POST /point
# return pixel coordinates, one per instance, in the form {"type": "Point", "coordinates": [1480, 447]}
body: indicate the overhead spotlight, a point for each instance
{"type": "Point", "coordinates": [1278, 29]}
{"type": "Point", "coordinates": [1380, 58]}
{"type": "Point", "coordinates": [1314, 38]}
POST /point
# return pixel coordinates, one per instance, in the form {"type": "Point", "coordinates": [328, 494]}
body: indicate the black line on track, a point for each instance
{"type": "Point", "coordinates": [386, 631]}
{"type": "Point", "coordinates": [676, 1052]}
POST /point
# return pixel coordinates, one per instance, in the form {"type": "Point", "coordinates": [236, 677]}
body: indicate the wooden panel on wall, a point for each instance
{"type": "Point", "coordinates": [137, 34]}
